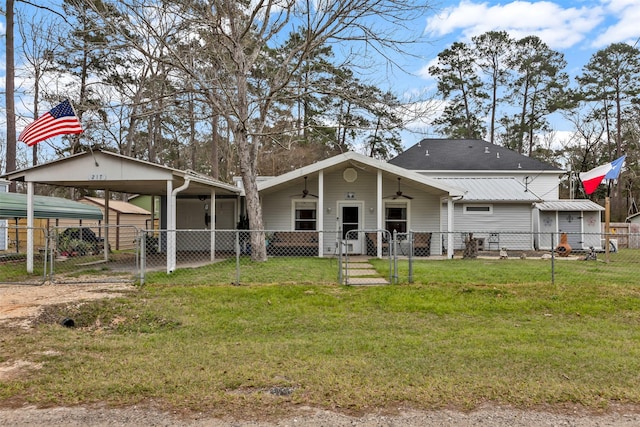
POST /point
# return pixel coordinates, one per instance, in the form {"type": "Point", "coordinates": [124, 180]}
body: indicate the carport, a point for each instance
{"type": "Point", "coordinates": [14, 206]}
{"type": "Point", "coordinates": [110, 172]}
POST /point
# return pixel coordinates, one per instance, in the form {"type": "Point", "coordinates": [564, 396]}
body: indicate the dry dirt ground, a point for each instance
{"type": "Point", "coordinates": [19, 305]}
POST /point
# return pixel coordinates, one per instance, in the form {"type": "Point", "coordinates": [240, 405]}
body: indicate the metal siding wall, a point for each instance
{"type": "Point", "coordinates": [513, 220]}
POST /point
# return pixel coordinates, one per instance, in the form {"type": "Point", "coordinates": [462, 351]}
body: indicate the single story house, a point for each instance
{"type": "Point", "coordinates": [350, 194]}
{"type": "Point", "coordinates": [448, 188]}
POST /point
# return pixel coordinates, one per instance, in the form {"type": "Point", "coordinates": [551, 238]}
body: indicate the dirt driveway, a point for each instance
{"type": "Point", "coordinates": [19, 305]}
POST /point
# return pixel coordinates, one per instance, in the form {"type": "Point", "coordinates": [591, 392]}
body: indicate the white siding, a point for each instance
{"type": "Point", "coordinates": [511, 221]}
{"type": "Point", "coordinates": [423, 215]}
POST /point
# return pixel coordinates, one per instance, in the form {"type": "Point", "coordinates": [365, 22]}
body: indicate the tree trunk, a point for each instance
{"type": "Point", "coordinates": [252, 199]}
{"type": "Point", "coordinates": [10, 92]}
{"type": "Point", "coordinates": [247, 154]}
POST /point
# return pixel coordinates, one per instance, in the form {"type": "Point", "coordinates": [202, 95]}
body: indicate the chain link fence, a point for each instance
{"type": "Point", "coordinates": [13, 259]}
{"type": "Point", "coordinates": [127, 254]}
{"type": "Point", "coordinates": [94, 254]}
{"type": "Point", "coordinates": [72, 255]}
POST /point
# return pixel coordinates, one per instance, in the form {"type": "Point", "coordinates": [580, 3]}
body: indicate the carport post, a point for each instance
{"type": "Point", "coordinates": [171, 254]}
{"type": "Point", "coordinates": [212, 226]}
{"type": "Point", "coordinates": [29, 227]}
{"type": "Point", "coordinates": [170, 212]}
{"type": "Point", "coordinates": [107, 196]}
{"type": "Point", "coordinates": [450, 227]}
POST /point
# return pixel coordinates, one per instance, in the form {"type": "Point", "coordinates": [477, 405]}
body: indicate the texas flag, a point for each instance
{"type": "Point", "coordinates": [594, 177]}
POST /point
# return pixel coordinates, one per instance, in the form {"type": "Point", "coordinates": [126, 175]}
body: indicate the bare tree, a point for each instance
{"type": "Point", "coordinates": [39, 46]}
{"type": "Point", "coordinates": [235, 36]}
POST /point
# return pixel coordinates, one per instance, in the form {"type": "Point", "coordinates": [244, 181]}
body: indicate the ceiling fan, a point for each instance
{"type": "Point", "coordinates": [399, 193]}
{"type": "Point", "coordinates": [305, 192]}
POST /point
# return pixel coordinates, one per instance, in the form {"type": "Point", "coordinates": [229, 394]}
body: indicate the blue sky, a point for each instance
{"type": "Point", "coordinates": [576, 28]}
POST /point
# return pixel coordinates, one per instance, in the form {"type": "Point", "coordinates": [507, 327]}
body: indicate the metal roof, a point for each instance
{"type": "Point", "coordinates": [492, 189]}
{"type": "Point", "coordinates": [118, 206]}
{"type": "Point", "coordinates": [14, 205]}
{"type": "Point", "coordinates": [569, 205]}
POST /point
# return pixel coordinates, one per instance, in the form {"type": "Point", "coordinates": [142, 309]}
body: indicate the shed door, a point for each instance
{"type": "Point", "coordinates": [570, 222]}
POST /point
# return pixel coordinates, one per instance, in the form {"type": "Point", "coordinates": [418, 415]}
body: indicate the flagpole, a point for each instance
{"type": "Point", "coordinates": [607, 215]}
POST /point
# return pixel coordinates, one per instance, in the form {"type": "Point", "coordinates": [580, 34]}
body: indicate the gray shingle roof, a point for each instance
{"type": "Point", "coordinates": [466, 155]}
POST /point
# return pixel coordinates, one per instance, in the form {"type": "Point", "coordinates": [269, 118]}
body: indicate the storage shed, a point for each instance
{"type": "Point", "coordinates": [578, 218]}
{"type": "Point", "coordinates": [125, 218]}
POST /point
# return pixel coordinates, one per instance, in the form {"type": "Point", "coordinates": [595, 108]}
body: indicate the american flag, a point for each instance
{"type": "Point", "coordinates": [60, 120]}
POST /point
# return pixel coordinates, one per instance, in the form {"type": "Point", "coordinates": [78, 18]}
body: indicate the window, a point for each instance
{"type": "Point", "coordinates": [305, 216]}
{"type": "Point", "coordinates": [395, 217]}
{"type": "Point", "coordinates": [478, 209]}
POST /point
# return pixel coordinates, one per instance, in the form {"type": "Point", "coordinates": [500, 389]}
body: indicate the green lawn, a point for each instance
{"type": "Point", "coordinates": [466, 332]}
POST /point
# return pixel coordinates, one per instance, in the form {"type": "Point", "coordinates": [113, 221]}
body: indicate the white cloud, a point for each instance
{"type": "Point", "coordinates": [557, 26]}
{"type": "Point", "coordinates": [627, 14]}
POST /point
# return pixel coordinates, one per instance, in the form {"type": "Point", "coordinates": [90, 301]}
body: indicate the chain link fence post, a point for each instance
{"type": "Point", "coordinates": [142, 251]}
{"type": "Point", "coordinates": [553, 259]}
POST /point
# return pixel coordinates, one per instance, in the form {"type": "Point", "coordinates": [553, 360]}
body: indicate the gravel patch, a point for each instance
{"type": "Point", "coordinates": [309, 417]}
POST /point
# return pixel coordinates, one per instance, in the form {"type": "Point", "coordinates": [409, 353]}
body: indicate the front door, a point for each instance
{"type": "Point", "coordinates": [350, 219]}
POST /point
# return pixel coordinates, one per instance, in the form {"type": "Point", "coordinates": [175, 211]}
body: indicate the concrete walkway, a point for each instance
{"type": "Point", "coordinates": [361, 272]}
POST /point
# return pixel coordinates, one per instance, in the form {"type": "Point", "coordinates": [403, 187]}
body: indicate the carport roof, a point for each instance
{"type": "Point", "coordinates": [14, 205]}
{"type": "Point", "coordinates": [103, 170]}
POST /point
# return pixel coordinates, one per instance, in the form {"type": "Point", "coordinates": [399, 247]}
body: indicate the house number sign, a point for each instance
{"type": "Point", "coordinates": [97, 177]}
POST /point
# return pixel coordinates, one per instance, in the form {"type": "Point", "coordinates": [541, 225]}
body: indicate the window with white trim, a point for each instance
{"type": "Point", "coordinates": [477, 209]}
{"type": "Point", "coordinates": [305, 216]}
{"type": "Point", "coordinates": [395, 217]}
